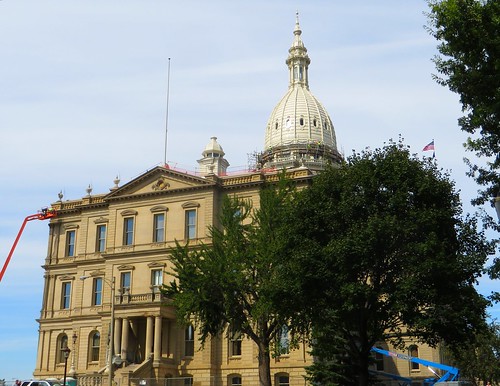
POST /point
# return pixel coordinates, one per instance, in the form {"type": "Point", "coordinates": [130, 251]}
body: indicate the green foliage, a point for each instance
{"type": "Point", "coordinates": [334, 363]}
{"type": "Point", "coordinates": [232, 280]}
{"type": "Point", "coordinates": [478, 362]}
{"type": "Point", "coordinates": [379, 244]}
{"type": "Point", "coordinates": [469, 44]}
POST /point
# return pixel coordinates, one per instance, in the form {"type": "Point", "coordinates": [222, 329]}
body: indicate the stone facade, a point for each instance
{"type": "Point", "coordinates": [117, 240]}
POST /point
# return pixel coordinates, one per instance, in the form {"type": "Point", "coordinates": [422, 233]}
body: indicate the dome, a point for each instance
{"type": "Point", "coordinates": [213, 149]}
{"type": "Point", "coordinates": [213, 161]}
{"type": "Point", "coordinates": [299, 130]}
{"type": "Point", "coordinates": [299, 118]}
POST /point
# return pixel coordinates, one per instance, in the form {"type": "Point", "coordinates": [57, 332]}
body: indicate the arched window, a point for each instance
{"type": "Point", "coordinates": [234, 380]}
{"type": "Point", "coordinates": [282, 379]}
{"type": "Point", "coordinates": [62, 343]}
{"type": "Point", "coordinates": [94, 346]}
{"type": "Point", "coordinates": [413, 350]}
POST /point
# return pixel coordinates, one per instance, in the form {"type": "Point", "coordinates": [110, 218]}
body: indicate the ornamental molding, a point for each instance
{"type": "Point", "coordinates": [159, 208]}
{"type": "Point", "coordinates": [161, 184]}
{"type": "Point", "coordinates": [129, 212]}
{"type": "Point", "coordinates": [66, 278]}
{"type": "Point", "coordinates": [101, 220]}
{"type": "Point", "coordinates": [190, 204]}
{"type": "Point", "coordinates": [155, 265]}
{"type": "Point", "coordinates": [126, 268]}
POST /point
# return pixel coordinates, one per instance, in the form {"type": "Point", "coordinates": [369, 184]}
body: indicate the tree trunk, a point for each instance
{"type": "Point", "coordinates": [264, 365]}
{"type": "Point", "coordinates": [363, 374]}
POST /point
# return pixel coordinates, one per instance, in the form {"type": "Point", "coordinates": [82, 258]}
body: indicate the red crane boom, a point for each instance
{"type": "Point", "coordinates": [44, 214]}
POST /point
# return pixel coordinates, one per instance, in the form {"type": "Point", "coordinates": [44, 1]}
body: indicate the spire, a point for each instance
{"type": "Point", "coordinates": [298, 60]}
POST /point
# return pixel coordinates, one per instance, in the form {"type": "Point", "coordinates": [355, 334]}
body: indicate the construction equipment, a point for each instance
{"type": "Point", "coordinates": [450, 373]}
{"type": "Point", "coordinates": [43, 214]}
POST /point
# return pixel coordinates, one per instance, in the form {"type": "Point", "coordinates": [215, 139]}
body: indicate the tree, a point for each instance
{"type": "Point", "coordinates": [478, 362]}
{"type": "Point", "coordinates": [227, 285]}
{"type": "Point", "coordinates": [381, 254]}
{"type": "Point", "coordinates": [469, 44]}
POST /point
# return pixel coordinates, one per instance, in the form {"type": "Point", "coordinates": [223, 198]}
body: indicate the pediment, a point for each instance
{"type": "Point", "coordinates": [157, 180]}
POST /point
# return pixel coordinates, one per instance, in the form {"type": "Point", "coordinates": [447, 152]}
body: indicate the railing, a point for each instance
{"type": "Point", "coordinates": [90, 380]}
{"type": "Point", "coordinates": [149, 297]}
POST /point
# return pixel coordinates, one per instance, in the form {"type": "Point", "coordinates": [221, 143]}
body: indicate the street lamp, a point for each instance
{"type": "Point", "coordinates": [111, 284]}
{"type": "Point", "coordinates": [66, 352]}
{"type": "Point", "coordinates": [72, 370]}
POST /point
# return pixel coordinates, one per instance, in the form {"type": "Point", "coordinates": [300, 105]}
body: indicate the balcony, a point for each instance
{"type": "Point", "coordinates": [125, 297]}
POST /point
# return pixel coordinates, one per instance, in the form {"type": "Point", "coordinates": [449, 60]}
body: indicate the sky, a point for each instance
{"type": "Point", "coordinates": [83, 99]}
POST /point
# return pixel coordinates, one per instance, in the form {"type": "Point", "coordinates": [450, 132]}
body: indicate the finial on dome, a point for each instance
{"type": "Point", "coordinates": [297, 30]}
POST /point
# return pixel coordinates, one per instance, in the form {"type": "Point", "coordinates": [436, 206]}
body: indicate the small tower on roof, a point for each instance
{"type": "Point", "coordinates": [213, 161]}
{"type": "Point", "coordinates": [299, 131]}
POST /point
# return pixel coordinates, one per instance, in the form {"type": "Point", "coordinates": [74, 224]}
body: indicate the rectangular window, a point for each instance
{"type": "Point", "coordinates": [125, 282]}
{"type": "Point", "coordinates": [97, 292]}
{"type": "Point", "coordinates": [101, 238]}
{"type": "Point", "coordinates": [159, 227]}
{"type": "Point", "coordinates": [66, 295]}
{"type": "Point", "coordinates": [190, 224]}
{"type": "Point", "coordinates": [128, 231]}
{"type": "Point", "coordinates": [70, 243]}
{"type": "Point", "coordinates": [189, 341]}
{"type": "Point", "coordinates": [283, 341]}
{"type": "Point", "coordinates": [157, 277]}
{"type": "Point", "coordinates": [235, 343]}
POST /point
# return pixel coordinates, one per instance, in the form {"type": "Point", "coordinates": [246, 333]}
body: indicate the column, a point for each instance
{"type": "Point", "coordinates": [117, 346]}
{"type": "Point", "coordinates": [157, 339]}
{"type": "Point", "coordinates": [41, 347]}
{"type": "Point", "coordinates": [149, 337]}
{"type": "Point", "coordinates": [55, 249]}
{"type": "Point", "coordinates": [125, 327]}
{"type": "Point", "coordinates": [49, 305]}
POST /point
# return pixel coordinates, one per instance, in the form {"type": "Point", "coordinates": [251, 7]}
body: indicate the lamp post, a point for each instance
{"type": "Point", "coordinates": [72, 370]}
{"type": "Point", "coordinates": [66, 352]}
{"type": "Point", "coordinates": [111, 284]}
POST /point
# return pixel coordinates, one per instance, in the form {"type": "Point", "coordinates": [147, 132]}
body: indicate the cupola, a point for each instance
{"type": "Point", "coordinates": [299, 131]}
{"type": "Point", "coordinates": [213, 161]}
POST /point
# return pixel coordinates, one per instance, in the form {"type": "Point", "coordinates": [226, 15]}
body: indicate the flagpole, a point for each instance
{"type": "Point", "coordinates": [166, 114]}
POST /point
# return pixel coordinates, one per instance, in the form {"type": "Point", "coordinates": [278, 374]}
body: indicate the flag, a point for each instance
{"type": "Point", "coordinates": [429, 146]}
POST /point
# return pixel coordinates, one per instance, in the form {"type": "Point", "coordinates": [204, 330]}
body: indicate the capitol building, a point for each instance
{"type": "Point", "coordinates": [108, 256]}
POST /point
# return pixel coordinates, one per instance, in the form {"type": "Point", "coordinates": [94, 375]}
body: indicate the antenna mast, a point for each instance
{"type": "Point", "coordinates": [166, 115]}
